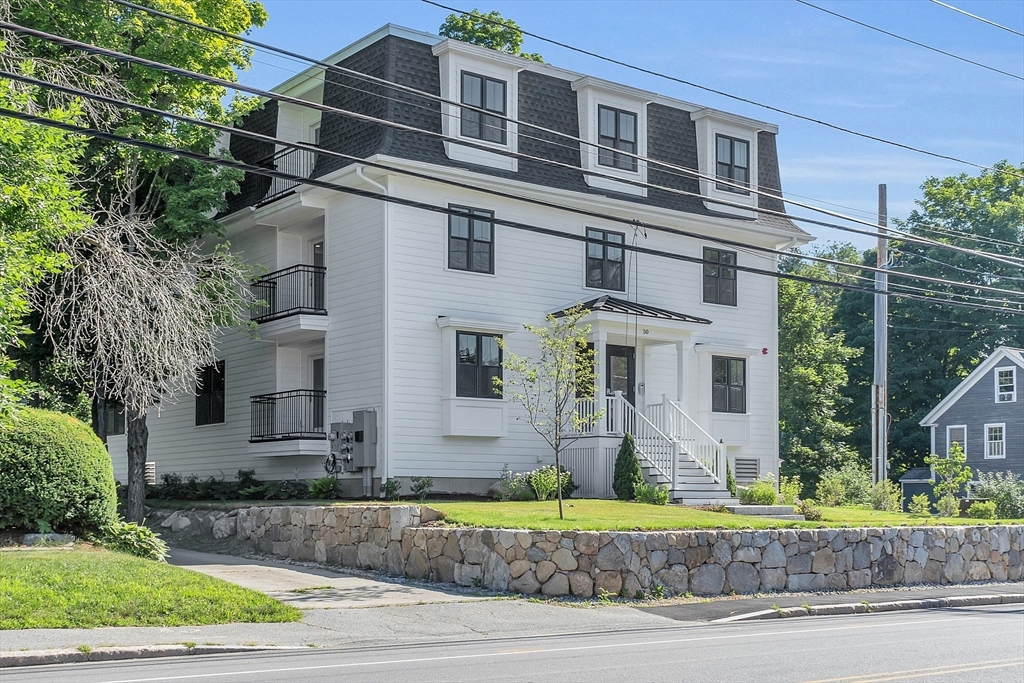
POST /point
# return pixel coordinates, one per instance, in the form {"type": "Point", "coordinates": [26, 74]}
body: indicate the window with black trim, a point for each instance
{"type": "Point", "coordinates": [114, 417]}
{"type": "Point", "coordinates": [478, 362]}
{"type": "Point", "coordinates": [210, 395]}
{"type": "Point", "coordinates": [719, 277]}
{"type": "Point", "coordinates": [728, 385]}
{"type": "Point", "coordinates": [733, 162]}
{"type": "Point", "coordinates": [605, 258]}
{"type": "Point", "coordinates": [488, 94]}
{"type": "Point", "coordinates": [616, 128]}
{"type": "Point", "coordinates": [471, 240]}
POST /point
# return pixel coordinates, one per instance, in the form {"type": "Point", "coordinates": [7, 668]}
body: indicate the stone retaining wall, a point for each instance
{"type": "Point", "coordinates": [588, 563]}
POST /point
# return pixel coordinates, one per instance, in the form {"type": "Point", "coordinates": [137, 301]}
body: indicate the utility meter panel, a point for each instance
{"type": "Point", "coordinates": [354, 443]}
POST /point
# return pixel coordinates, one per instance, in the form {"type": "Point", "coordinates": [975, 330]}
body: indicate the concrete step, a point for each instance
{"type": "Point", "coordinates": [762, 510]}
{"type": "Point", "coordinates": [703, 501]}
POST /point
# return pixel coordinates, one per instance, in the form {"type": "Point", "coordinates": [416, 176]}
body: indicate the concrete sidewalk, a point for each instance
{"type": "Point", "coordinates": [316, 587]}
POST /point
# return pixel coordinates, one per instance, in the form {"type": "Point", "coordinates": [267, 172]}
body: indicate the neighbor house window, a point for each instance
{"type": "Point", "coordinates": [956, 435]}
{"type": "Point", "coordinates": [114, 417]}
{"type": "Point", "coordinates": [478, 362]}
{"type": "Point", "coordinates": [616, 129]}
{"type": "Point", "coordinates": [733, 162]}
{"type": "Point", "coordinates": [471, 240]}
{"type": "Point", "coordinates": [483, 93]}
{"type": "Point", "coordinates": [728, 385]}
{"type": "Point", "coordinates": [1006, 385]}
{"type": "Point", "coordinates": [210, 395]}
{"type": "Point", "coordinates": [995, 441]}
{"type": "Point", "coordinates": [719, 277]}
{"type": "Point", "coordinates": [605, 258]}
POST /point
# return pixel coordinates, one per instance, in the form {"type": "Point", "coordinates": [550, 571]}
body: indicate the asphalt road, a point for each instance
{"type": "Point", "coordinates": [963, 645]}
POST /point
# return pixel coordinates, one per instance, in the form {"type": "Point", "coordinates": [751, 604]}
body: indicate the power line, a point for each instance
{"type": "Point", "coordinates": [912, 42]}
{"type": "Point", "coordinates": [451, 211]}
{"type": "Point", "coordinates": [632, 222]}
{"type": "Point", "coordinates": [964, 270]}
{"type": "Point", "coordinates": [981, 19]}
{"type": "Point", "coordinates": [675, 169]}
{"type": "Point", "coordinates": [89, 48]}
{"type": "Point", "coordinates": [675, 79]}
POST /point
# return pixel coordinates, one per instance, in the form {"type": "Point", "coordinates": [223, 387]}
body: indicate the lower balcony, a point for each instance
{"type": "Point", "coordinates": [288, 423]}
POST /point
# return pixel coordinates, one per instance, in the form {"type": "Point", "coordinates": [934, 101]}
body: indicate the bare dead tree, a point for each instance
{"type": "Point", "coordinates": [135, 318]}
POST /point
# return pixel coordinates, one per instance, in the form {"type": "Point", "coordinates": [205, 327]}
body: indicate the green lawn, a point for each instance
{"type": "Point", "coordinates": [613, 515]}
{"type": "Point", "coordinates": [86, 588]}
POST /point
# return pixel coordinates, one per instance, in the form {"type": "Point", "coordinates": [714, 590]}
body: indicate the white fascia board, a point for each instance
{"type": "Point", "coordinates": [1003, 352]}
{"type": "Point", "coordinates": [728, 348]}
{"type": "Point", "coordinates": [477, 325]}
{"type": "Point", "coordinates": [740, 230]}
{"type": "Point", "coordinates": [735, 119]}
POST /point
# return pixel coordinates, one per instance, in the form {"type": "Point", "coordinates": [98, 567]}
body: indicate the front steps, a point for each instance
{"type": "Point", "coordinates": [693, 487]}
{"type": "Point", "coordinates": [785, 512]}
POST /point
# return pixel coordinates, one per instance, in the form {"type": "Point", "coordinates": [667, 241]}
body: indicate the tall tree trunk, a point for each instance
{"type": "Point", "coordinates": [99, 417]}
{"type": "Point", "coordinates": [138, 445]}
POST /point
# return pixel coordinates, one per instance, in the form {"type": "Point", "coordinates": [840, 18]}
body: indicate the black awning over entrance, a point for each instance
{"type": "Point", "coordinates": [612, 304]}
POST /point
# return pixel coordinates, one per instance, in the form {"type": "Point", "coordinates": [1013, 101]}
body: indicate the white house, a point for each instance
{"type": "Point", "coordinates": [376, 306]}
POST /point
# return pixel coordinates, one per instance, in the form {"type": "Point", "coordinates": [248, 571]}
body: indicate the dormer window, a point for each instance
{"type": "Point", "coordinates": [484, 93]}
{"type": "Point", "coordinates": [733, 159]}
{"type": "Point", "coordinates": [617, 129]}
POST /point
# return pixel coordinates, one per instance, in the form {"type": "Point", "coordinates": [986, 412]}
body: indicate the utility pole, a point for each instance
{"type": "Point", "coordinates": [879, 393]}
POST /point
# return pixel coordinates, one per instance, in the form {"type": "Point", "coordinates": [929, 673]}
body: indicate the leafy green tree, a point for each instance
{"type": "Point", "coordinates": [627, 476]}
{"type": "Point", "coordinates": [952, 474]}
{"type": "Point", "coordinates": [39, 204]}
{"type": "Point", "coordinates": [547, 386]}
{"type": "Point", "coordinates": [812, 371]}
{"type": "Point", "coordinates": [489, 30]}
{"type": "Point", "coordinates": [933, 347]}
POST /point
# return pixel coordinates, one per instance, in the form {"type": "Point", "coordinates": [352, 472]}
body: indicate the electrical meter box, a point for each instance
{"type": "Point", "coordinates": [355, 443]}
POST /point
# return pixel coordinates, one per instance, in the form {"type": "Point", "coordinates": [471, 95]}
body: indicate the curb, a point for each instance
{"type": "Point", "coordinates": [874, 607]}
{"type": "Point", "coordinates": [109, 654]}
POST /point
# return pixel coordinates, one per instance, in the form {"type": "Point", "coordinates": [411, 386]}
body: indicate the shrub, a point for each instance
{"type": "Point", "coordinates": [652, 495]}
{"type": "Point", "coordinates": [1005, 489]}
{"type": "Point", "coordinates": [809, 511]}
{"type": "Point", "coordinates": [513, 486]}
{"type": "Point", "coordinates": [789, 490]}
{"type": "Point", "coordinates": [948, 506]}
{"type": "Point", "coordinates": [324, 488]}
{"type": "Point", "coordinates": [390, 489]}
{"type": "Point", "coordinates": [543, 481]}
{"type": "Point", "coordinates": [55, 474]}
{"type": "Point", "coordinates": [730, 480]}
{"type": "Point", "coordinates": [761, 492]}
{"type": "Point", "coordinates": [886, 495]}
{"type": "Point", "coordinates": [421, 486]}
{"type": "Point", "coordinates": [848, 485]}
{"type": "Point", "coordinates": [982, 509]}
{"type": "Point", "coordinates": [627, 470]}
{"type": "Point", "coordinates": [920, 505]}
{"type": "Point", "coordinates": [134, 539]}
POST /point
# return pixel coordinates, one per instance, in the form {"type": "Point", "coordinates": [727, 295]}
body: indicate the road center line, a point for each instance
{"type": "Point", "coordinates": [482, 655]}
{"type": "Point", "coordinates": [926, 671]}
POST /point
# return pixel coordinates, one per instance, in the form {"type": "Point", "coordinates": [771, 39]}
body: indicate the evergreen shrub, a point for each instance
{"type": "Point", "coordinates": [627, 470]}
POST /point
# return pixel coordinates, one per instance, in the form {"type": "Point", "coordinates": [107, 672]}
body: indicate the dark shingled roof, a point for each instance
{"type": "Point", "coordinates": [613, 304]}
{"type": "Point", "coordinates": [917, 474]}
{"type": "Point", "coordinates": [544, 101]}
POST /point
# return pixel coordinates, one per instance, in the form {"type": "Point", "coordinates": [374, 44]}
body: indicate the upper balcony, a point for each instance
{"type": "Point", "coordinates": [296, 162]}
{"type": "Point", "coordinates": [290, 304]}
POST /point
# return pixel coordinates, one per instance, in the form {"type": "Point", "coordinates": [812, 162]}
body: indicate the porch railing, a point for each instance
{"type": "Point", "coordinates": [294, 290]}
{"type": "Point", "coordinates": [694, 441]}
{"type": "Point", "coordinates": [296, 162]}
{"type": "Point", "coordinates": [287, 415]}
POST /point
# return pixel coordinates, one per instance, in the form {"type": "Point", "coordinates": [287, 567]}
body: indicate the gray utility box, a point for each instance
{"type": "Point", "coordinates": [355, 443]}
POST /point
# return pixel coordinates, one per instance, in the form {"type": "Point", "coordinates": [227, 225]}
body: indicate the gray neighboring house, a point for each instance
{"type": "Point", "coordinates": [985, 415]}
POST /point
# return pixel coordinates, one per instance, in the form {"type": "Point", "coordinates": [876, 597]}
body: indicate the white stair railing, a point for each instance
{"type": "Point", "coordinates": [652, 445]}
{"type": "Point", "coordinates": [694, 441]}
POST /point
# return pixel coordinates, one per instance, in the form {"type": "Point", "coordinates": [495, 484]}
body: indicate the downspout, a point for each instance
{"type": "Point", "coordinates": [384, 414]}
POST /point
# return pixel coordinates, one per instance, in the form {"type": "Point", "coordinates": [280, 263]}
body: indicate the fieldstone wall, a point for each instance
{"type": "Point", "coordinates": [589, 563]}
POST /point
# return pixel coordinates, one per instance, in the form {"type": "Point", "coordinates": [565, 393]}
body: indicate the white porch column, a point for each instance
{"type": "Point", "coordinates": [600, 358]}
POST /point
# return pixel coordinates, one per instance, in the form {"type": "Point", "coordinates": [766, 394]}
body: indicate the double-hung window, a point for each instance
{"type": "Point", "coordinates": [605, 257]}
{"type": "Point", "coordinates": [719, 277]}
{"type": "Point", "coordinates": [478, 363]}
{"type": "Point", "coordinates": [995, 441]}
{"type": "Point", "coordinates": [617, 129]}
{"type": "Point", "coordinates": [733, 162]}
{"type": "Point", "coordinates": [488, 94]}
{"type": "Point", "coordinates": [728, 385]}
{"type": "Point", "coordinates": [471, 240]}
{"type": "Point", "coordinates": [1006, 385]}
{"type": "Point", "coordinates": [210, 395]}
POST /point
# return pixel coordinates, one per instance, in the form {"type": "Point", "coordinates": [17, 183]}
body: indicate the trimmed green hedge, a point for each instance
{"type": "Point", "coordinates": [54, 474]}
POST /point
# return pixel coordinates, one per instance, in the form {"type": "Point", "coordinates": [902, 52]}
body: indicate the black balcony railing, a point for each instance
{"type": "Point", "coordinates": [299, 289]}
{"type": "Point", "coordinates": [287, 415]}
{"type": "Point", "coordinates": [296, 162]}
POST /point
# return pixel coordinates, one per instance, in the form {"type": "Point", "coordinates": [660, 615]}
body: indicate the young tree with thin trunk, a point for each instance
{"type": "Point", "coordinates": [547, 387]}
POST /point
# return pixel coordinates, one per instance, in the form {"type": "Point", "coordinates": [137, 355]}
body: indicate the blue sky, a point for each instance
{"type": "Point", "coordinates": [780, 53]}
